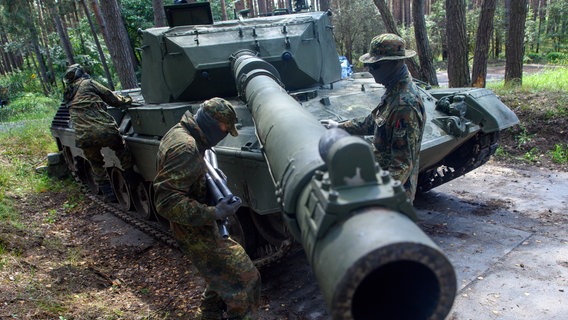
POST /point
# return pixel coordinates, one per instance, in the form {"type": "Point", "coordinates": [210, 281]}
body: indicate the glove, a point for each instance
{"type": "Point", "coordinates": [227, 207]}
{"type": "Point", "coordinates": [128, 100]}
{"type": "Point", "coordinates": [329, 124]}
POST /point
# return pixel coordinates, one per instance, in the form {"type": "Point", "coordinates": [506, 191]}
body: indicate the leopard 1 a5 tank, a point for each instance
{"type": "Point", "coordinates": [298, 180]}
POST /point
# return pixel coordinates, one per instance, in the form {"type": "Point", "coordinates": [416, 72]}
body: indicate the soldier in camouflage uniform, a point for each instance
{"type": "Point", "coordinates": [397, 123]}
{"type": "Point", "coordinates": [87, 101]}
{"type": "Point", "coordinates": [233, 282]}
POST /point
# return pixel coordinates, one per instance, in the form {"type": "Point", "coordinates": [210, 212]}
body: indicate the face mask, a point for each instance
{"type": "Point", "coordinates": [386, 71]}
{"type": "Point", "coordinates": [210, 127]}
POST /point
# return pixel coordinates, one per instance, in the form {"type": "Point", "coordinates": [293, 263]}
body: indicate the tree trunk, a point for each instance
{"type": "Point", "coordinates": [44, 30]}
{"type": "Point", "coordinates": [325, 5]}
{"type": "Point", "coordinates": [159, 14]}
{"type": "Point", "coordinates": [422, 43]}
{"type": "Point", "coordinates": [10, 59]}
{"type": "Point", "coordinates": [63, 36]}
{"type": "Point", "coordinates": [261, 8]}
{"type": "Point", "coordinates": [98, 44]}
{"type": "Point", "coordinates": [119, 45]}
{"type": "Point", "coordinates": [458, 69]}
{"type": "Point", "coordinates": [484, 31]}
{"type": "Point", "coordinates": [515, 47]}
{"type": "Point", "coordinates": [224, 10]}
{"type": "Point", "coordinates": [250, 7]}
{"type": "Point", "coordinates": [407, 13]}
{"type": "Point", "coordinates": [390, 25]}
{"type": "Point", "coordinates": [41, 67]}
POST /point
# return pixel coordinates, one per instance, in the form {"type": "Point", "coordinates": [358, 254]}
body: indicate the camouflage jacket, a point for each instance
{"type": "Point", "coordinates": [397, 124]}
{"type": "Point", "coordinates": [87, 101]}
{"type": "Point", "coordinates": [180, 187]}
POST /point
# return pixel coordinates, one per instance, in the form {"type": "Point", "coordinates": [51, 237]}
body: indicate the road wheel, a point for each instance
{"type": "Point", "coordinates": [142, 201]}
{"type": "Point", "coordinates": [121, 189]}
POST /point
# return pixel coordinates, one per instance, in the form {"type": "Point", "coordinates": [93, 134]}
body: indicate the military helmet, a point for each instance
{"type": "Point", "coordinates": [73, 72]}
{"type": "Point", "coordinates": [387, 46]}
{"type": "Point", "coordinates": [222, 111]}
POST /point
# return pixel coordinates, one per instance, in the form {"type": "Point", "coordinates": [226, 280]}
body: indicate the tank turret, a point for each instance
{"type": "Point", "coordinates": [191, 62]}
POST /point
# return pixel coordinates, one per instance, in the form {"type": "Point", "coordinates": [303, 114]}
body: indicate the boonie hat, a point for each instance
{"type": "Point", "coordinates": [387, 46]}
{"type": "Point", "coordinates": [222, 111]}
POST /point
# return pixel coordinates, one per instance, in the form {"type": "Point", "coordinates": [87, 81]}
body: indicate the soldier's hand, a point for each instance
{"type": "Point", "coordinates": [329, 123]}
{"type": "Point", "coordinates": [228, 206]}
{"type": "Point", "coordinates": [135, 104]}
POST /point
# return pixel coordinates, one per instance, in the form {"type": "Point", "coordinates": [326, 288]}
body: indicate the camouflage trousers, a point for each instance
{"type": "Point", "coordinates": [93, 154]}
{"type": "Point", "coordinates": [233, 282]}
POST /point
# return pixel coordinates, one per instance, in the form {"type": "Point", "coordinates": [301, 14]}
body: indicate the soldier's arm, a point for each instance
{"type": "Point", "coordinates": [175, 177]}
{"type": "Point", "coordinates": [109, 97]}
{"type": "Point", "coordinates": [359, 126]}
{"type": "Point", "coordinates": [405, 142]}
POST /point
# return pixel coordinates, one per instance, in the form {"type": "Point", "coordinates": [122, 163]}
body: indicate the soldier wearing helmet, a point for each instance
{"type": "Point", "coordinates": [397, 122]}
{"type": "Point", "coordinates": [95, 128]}
{"type": "Point", "coordinates": [233, 282]}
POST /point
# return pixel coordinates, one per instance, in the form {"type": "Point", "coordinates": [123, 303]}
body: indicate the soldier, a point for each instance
{"type": "Point", "coordinates": [95, 128]}
{"type": "Point", "coordinates": [397, 123]}
{"type": "Point", "coordinates": [233, 282]}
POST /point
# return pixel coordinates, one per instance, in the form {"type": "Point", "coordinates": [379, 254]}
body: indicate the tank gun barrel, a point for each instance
{"type": "Point", "coordinates": [354, 222]}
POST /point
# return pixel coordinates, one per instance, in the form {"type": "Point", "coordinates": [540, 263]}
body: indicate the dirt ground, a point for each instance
{"type": "Point", "coordinates": [74, 261]}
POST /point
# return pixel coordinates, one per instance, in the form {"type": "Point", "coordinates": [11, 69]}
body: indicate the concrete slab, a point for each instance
{"type": "Point", "coordinates": [531, 282]}
{"type": "Point", "coordinates": [504, 230]}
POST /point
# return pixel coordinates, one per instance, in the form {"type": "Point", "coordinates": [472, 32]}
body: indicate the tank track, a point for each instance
{"type": "Point", "coordinates": [268, 254]}
{"type": "Point", "coordinates": [467, 157]}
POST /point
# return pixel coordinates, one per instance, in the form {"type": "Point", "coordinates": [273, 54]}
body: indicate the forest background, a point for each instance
{"type": "Point", "coordinates": [40, 38]}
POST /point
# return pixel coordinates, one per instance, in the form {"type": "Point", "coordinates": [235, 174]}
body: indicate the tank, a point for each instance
{"type": "Point", "coordinates": [297, 180]}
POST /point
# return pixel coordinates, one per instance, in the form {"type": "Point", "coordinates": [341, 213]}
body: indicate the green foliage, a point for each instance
{"type": "Point", "coordinates": [8, 215]}
{"type": "Point", "coordinates": [500, 153]}
{"type": "Point", "coordinates": [29, 106]}
{"type": "Point", "coordinates": [559, 154]}
{"type": "Point", "coordinates": [355, 24]}
{"type": "Point", "coordinates": [17, 165]}
{"type": "Point", "coordinates": [16, 84]}
{"type": "Point", "coordinates": [551, 79]}
{"type": "Point", "coordinates": [532, 155]}
{"type": "Point", "coordinates": [138, 14]}
{"type": "Point", "coordinates": [436, 27]}
{"type": "Point", "coordinates": [523, 138]}
{"type": "Point", "coordinates": [557, 58]}
{"type": "Point", "coordinates": [557, 25]}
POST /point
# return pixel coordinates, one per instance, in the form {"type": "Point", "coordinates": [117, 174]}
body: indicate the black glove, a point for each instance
{"type": "Point", "coordinates": [228, 206]}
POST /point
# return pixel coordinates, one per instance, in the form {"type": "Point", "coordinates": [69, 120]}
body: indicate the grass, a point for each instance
{"type": "Point", "coordinates": [554, 79]}
{"type": "Point", "coordinates": [559, 154]}
{"type": "Point", "coordinates": [30, 106]}
{"type": "Point", "coordinates": [541, 103]}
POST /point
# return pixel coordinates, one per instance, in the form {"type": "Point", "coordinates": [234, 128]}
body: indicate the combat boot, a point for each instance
{"type": "Point", "coordinates": [211, 308]}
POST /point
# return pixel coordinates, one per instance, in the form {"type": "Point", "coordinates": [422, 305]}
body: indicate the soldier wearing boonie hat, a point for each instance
{"type": "Point", "coordinates": [233, 282]}
{"type": "Point", "coordinates": [387, 46]}
{"type": "Point", "coordinates": [397, 123]}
